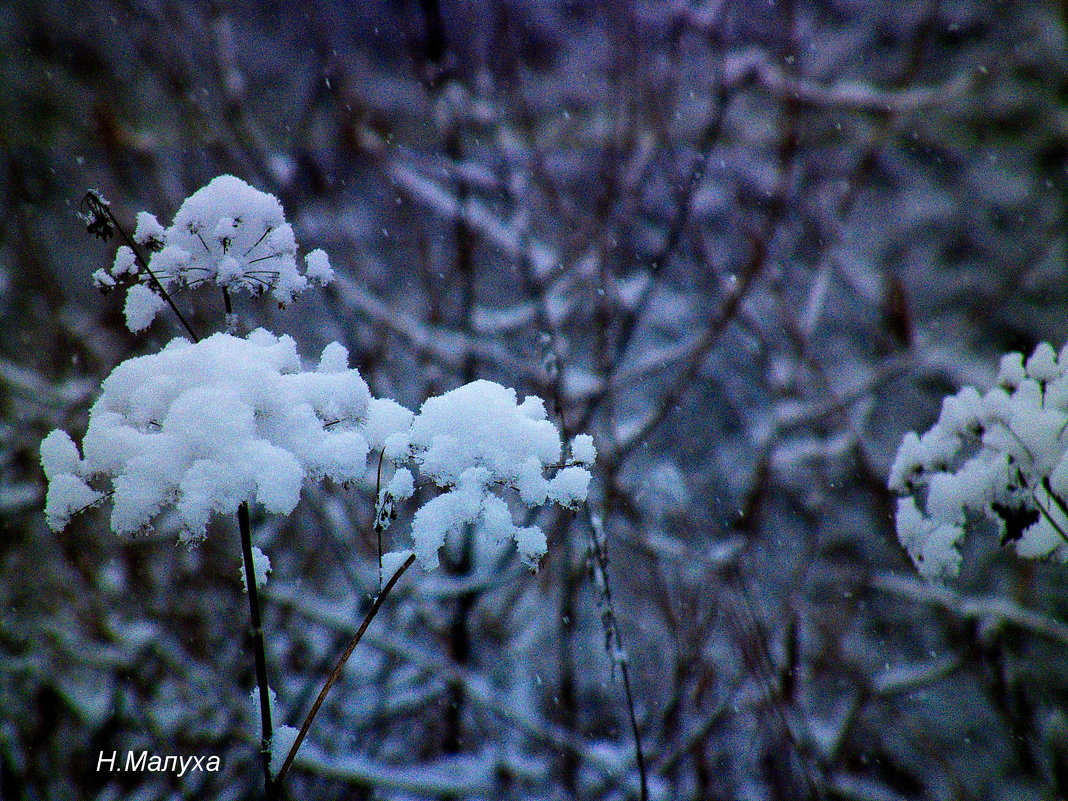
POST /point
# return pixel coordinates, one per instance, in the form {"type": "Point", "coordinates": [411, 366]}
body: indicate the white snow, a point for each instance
{"type": "Point", "coordinates": [445, 513]}
{"type": "Point", "coordinates": [281, 743]}
{"type": "Point", "coordinates": [318, 267]}
{"type": "Point", "coordinates": [261, 566]}
{"type": "Point", "coordinates": [391, 563]}
{"type": "Point", "coordinates": [480, 424]}
{"type": "Point", "coordinates": [569, 486]}
{"type": "Point", "coordinates": [225, 234]}
{"type": "Point", "coordinates": [203, 427]}
{"type": "Point", "coordinates": [102, 280]}
{"type": "Point", "coordinates": [1042, 365]}
{"type": "Point", "coordinates": [142, 306]}
{"type": "Point", "coordinates": [125, 262]}
{"type": "Point", "coordinates": [386, 420]}
{"type": "Point", "coordinates": [67, 495]}
{"type": "Point", "coordinates": [1011, 370]}
{"type": "Point", "coordinates": [475, 441]}
{"type": "Point", "coordinates": [932, 545]}
{"type": "Point", "coordinates": [402, 485]}
{"type": "Point", "coordinates": [59, 454]}
{"type": "Point", "coordinates": [583, 450]}
{"type": "Point", "coordinates": [1003, 454]}
{"type": "Point", "coordinates": [148, 229]}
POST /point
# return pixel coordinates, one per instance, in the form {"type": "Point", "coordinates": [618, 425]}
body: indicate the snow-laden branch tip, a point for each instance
{"type": "Point", "coordinates": [476, 441]}
{"type": "Point", "coordinates": [204, 427]}
{"type": "Point", "coordinates": [226, 234]}
{"type": "Point", "coordinates": [1001, 455]}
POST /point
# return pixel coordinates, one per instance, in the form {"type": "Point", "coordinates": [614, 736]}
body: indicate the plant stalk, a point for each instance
{"type": "Point", "coordinates": [336, 673]}
{"type": "Point", "coordinates": [258, 648]}
{"type": "Point", "coordinates": [104, 208]}
{"type": "Point", "coordinates": [599, 559]}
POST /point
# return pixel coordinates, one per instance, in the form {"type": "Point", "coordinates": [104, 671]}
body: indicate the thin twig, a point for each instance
{"type": "Point", "coordinates": [100, 206]}
{"type": "Point", "coordinates": [257, 647]}
{"type": "Point", "coordinates": [613, 639]}
{"type": "Point", "coordinates": [336, 673]}
{"type": "Point", "coordinates": [378, 513]}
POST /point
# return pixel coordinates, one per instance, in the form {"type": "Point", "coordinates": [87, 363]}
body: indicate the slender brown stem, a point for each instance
{"type": "Point", "coordinates": [614, 640]}
{"type": "Point", "coordinates": [336, 673]}
{"type": "Point", "coordinates": [258, 649]}
{"type": "Point", "coordinates": [99, 205]}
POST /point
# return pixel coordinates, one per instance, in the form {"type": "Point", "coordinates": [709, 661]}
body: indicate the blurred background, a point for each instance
{"type": "Point", "coordinates": [745, 244]}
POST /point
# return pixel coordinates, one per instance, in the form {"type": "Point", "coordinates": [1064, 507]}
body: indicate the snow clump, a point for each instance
{"type": "Point", "coordinates": [208, 426]}
{"type": "Point", "coordinates": [205, 427]}
{"type": "Point", "coordinates": [226, 234]}
{"type": "Point", "coordinates": [1001, 455]}
{"type": "Point", "coordinates": [475, 441]}
{"type": "Point", "coordinates": [261, 566]}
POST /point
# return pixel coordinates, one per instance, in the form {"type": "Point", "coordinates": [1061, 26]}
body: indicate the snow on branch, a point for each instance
{"type": "Point", "coordinates": [208, 426]}
{"type": "Point", "coordinates": [1001, 455]}
{"type": "Point", "coordinates": [753, 67]}
{"type": "Point", "coordinates": [205, 427]}
{"type": "Point", "coordinates": [340, 618]}
{"type": "Point", "coordinates": [506, 237]}
{"type": "Point", "coordinates": [226, 234]}
{"type": "Point", "coordinates": [992, 610]}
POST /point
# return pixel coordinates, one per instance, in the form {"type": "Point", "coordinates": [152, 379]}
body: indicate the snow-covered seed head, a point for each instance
{"type": "Point", "coordinates": [202, 428]}
{"type": "Point", "coordinates": [1002, 455]}
{"type": "Point", "coordinates": [226, 234]}
{"type": "Point", "coordinates": [477, 440]}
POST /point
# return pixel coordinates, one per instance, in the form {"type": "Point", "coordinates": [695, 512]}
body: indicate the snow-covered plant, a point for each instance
{"type": "Point", "coordinates": [207, 426]}
{"type": "Point", "coordinates": [216, 425]}
{"type": "Point", "coordinates": [226, 234]}
{"type": "Point", "coordinates": [1001, 455]}
{"type": "Point", "coordinates": [472, 441]}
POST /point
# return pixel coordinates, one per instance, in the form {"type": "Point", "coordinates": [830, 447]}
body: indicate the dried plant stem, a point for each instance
{"type": "Point", "coordinates": [258, 648]}
{"type": "Point", "coordinates": [100, 206]}
{"type": "Point", "coordinates": [639, 755]}
{"type": "Point", "coordinates": [613, 639]}
{"type": "Point", "coordinates": [335, 674]}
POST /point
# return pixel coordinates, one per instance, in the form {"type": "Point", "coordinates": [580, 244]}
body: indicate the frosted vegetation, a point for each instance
{"type": "Point", "coordinates": [998, 456]}
{"type": "Point", "coordinates": [747, 246]}
{"type": "Point", "coordinates": [210, 427]}
{"type": "Point", "coordinates": [201, 428]}
{"type": "Point", "coordinates": [226, 234]}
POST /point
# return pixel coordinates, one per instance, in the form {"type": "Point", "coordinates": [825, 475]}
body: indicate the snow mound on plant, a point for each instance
{"type": "Point", "coordinates": [475, 441]}
{"type": "Point", "coordinates": [204, 427]}
{"type": "Point", "coordinates": [1002, 455]}
{"type": "Point", "coordinates": [225, 234]}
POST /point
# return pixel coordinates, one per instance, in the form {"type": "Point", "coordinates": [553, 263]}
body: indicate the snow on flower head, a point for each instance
{"type": "Point", "coordinates": [1002, 455]}
{"type": "Point", "coordinates": [204, 427]}
{"type": "Point", "coordinates": [474, 439]}
{"type": "Point", "coordinates": [226, 234]}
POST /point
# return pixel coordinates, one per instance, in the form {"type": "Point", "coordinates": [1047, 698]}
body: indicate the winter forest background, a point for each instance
{"type": "Point", "coordinates": [746, 245]}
